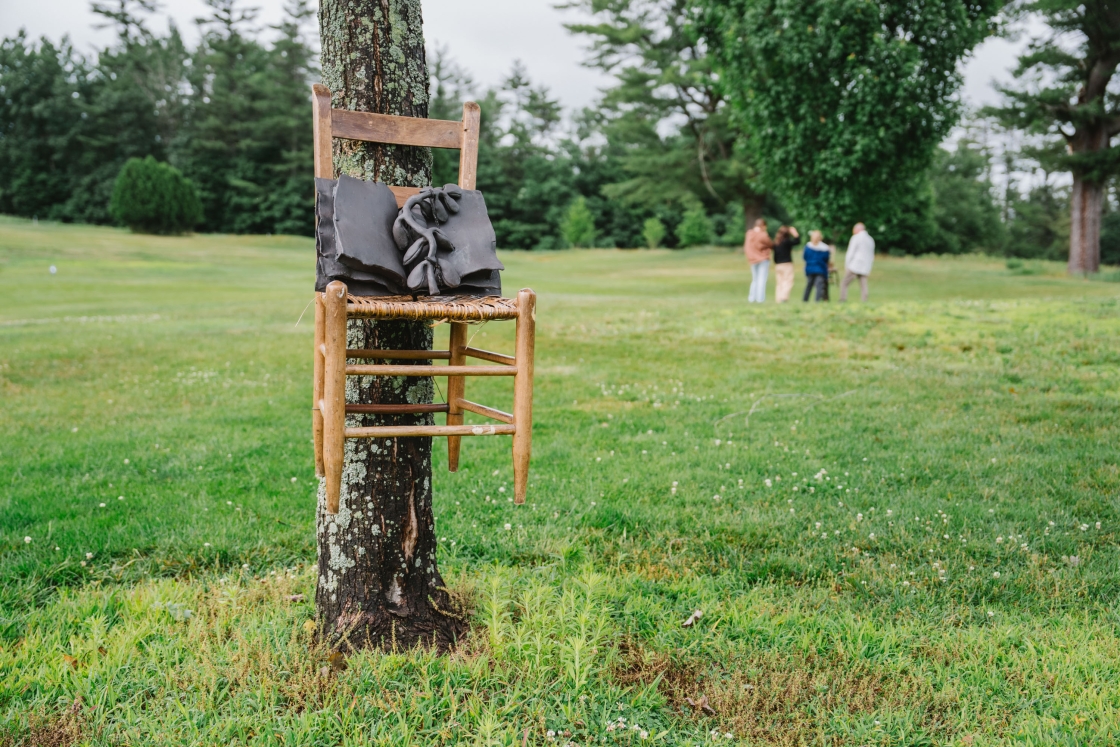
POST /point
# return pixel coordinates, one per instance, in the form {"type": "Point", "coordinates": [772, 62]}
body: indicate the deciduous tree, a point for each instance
{"type": "Point", "coordinates": [844, 100]}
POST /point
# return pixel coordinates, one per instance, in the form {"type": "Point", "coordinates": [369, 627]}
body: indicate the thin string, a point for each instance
{"type": "Point", "coordinates": [304, 310]}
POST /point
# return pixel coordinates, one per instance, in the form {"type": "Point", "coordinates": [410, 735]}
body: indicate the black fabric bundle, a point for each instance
{"type": "Point", "coordinates": [440, 242]}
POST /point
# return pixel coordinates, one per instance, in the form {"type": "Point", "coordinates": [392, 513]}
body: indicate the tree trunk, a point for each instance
{"type": "Point", "coordinates": [1085, 227]}
{"type": "Point", "coordinates": [752, 209]}
{"type": "Point", "coordinates": [378, 580]}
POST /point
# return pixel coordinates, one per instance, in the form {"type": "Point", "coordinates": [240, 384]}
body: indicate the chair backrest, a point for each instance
{"type": "Point", "coordinates": [384, 128]}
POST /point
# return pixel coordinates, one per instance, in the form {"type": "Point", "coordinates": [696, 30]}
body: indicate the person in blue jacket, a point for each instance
{"type": "Point", "coordinates": [818, 258]}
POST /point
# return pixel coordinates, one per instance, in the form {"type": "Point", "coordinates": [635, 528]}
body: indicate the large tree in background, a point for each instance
{"type": "Point", "coordinates": [844, 100]}
{"type": "Point", "coordinates": [667, 110]}
{"type": "Point", "coordinates": [1063, 94]}
{"type": "Point", "coordinates": [378, 580]}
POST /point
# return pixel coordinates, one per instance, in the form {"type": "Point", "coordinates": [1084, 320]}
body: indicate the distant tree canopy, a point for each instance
{"type": "Point", "coordinates": [1063, 92]}
{"type": "Point", "coordinates": [805, 111]}
{"type": "Point", "coordinates": [232, 115]}
{"type": "Point", "coordinates": [842, 103]}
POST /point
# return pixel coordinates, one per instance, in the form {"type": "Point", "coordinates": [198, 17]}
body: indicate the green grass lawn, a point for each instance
{"type": "Point", "coordinates": [899, 519]}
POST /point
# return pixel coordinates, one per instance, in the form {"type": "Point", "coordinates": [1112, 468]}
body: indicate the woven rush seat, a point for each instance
{"type": "Point", "coordinates": [432, 308]}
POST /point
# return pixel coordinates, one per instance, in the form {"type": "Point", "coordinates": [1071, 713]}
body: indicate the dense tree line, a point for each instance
{"type": "Point", "coordinates": [702, 131]}
{"type": "Point", "coordinates": [231, 115]}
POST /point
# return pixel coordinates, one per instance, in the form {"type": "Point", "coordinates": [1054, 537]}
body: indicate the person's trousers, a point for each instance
{"type": "Point", "coordinates": [820, 282]}
{"type": "Point", "coordinates": [849, 276]}
{"type": "Point", "coordinates": [760, 273]}
{"type": "Point", "coordinates": [784, 275]}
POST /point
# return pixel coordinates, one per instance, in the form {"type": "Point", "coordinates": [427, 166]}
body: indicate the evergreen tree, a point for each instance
{"type": "Point", "coordinates": [667, 113]}
{"type": "Point", "coordinates": [967, 216]}
{"type": "Point", "coordinates": [247, 144]}
{"type": "Point", "coordinates": [579, 225]}
{"type": "Point", "coordinates": [1063, 94]}
{"type": "Point", "coordinates": [695, 228]}
{"type": "Point", "coordinates": [40, 124]}
{"type": "Point", "coordinates": [653, 231]}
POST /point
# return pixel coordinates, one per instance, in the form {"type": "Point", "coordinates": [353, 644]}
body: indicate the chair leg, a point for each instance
{"type": "Point", "coordinates": [317, 388]}
{"type": "Point", "coordinates": [456, 389]}
{"type": "Point", "coordinates": [523, 392]}
{"type": "Point", "coordinates": [333, 405]}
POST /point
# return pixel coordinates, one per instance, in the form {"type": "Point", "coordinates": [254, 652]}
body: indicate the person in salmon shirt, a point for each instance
{"type": "Point", "coordinates": [757, 248]}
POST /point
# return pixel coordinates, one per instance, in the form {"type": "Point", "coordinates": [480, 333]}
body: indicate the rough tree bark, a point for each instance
{"type": "Point", "coordinates": [379, 584]}
{"type": "Point", "coordinates": [1085, 227]}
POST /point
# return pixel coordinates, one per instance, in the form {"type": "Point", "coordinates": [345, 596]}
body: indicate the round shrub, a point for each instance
{"type": "Point", "coordinates": [696, 228]}
{"type": "Point", "coordinates": [154, 197]}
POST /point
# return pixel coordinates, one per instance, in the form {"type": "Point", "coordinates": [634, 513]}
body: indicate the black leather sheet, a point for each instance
{"type": "Point", "coordinates": [363, 240]}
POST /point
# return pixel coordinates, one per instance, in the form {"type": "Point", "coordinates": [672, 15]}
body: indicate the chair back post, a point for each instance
{"type": "Point", "coordinates": [323, 131]}
{"type": "Point", "coordinates": [468, 149]}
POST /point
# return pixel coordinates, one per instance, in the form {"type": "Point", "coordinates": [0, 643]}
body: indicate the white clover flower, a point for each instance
{"type": "Point", "coordinates": [991, 614]}
{"type": "Point", "coordinates": [999, 540]}
{"type": "Point", "coordinates": [102, 505]}
{"type": "Point", "coordinates": [995, 575]}
{"type": "Point", "coordinates": [768, 483]}
{"type": "Point", "coordinates": [27, 540]}
{"type": "Point", "coordinates": [859, 517]}
{"type": "Point", "coordinates": [1084, 527]}
{"type": "Point", "coordinates": [871, 536]}
{"type": "Point", "coordinates": [510, 526]}
{"type": "Point", "coordinates": [1098, 525]}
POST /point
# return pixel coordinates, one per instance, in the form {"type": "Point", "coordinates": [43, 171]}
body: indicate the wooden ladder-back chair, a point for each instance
{"type": "Point", "coordinates": [335, 306]}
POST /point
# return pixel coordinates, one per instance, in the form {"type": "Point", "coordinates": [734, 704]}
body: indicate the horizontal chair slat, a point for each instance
{"type": "Point", "coordinates": [387, 128]}
{"type": "Point", "coordinates": [395, 409]}
{"type": "Point", "coordinates": [483, 410]}
{"type": "Point", "coordinates": [403, 194]}
{"type": "Point", "coordinates": [400, 431]}
{"type": "Point", "coordinates": [431, 370]}
{"type": "Point", "coordinates": [401, 355]}
{"type": "Point", "coordinates": [486, 355]}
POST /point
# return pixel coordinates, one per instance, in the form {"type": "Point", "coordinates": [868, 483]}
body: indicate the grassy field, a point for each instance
{"type": "Point", "coordinates": [899, 519]}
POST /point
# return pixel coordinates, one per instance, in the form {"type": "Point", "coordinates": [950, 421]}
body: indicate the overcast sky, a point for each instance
{"type": "Point", "coordinates": [485, 36]}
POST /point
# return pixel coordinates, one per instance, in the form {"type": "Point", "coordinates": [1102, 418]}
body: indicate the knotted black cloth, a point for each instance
{"type": "Point", "coordinates": [440, 242]}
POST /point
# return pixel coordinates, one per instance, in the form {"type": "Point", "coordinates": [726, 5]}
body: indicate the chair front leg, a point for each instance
{"type": "Point", "coordinates": [317, 388]}
{"type": "Point", "coordinates": [523, 392]}
{"type": "Point", "coordinates": [333, 405]}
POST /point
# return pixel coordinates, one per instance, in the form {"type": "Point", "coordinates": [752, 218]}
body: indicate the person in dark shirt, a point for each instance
{"type": "Point", "coordinates": [784, 241]}
{"type": "Point", "coordinates": [818, 258]}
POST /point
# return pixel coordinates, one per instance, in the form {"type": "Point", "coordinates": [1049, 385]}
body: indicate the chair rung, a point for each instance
{"type": "Point", "coordinates": [383, 370]}
{"type": "Point", "coordinates": [483, 410]}
{"type": "Point", "coordinates": [395, 409]}
{"type": "Point", "coordinates": [400, 431]}
{"type": "Point", "coordinates": [401, 355]}
{"type": "Point", "coordinates": [486, 355]}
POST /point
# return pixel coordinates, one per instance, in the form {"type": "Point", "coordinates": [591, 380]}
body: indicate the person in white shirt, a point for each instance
{"type": "Point", "coordinates": [858, 261]}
